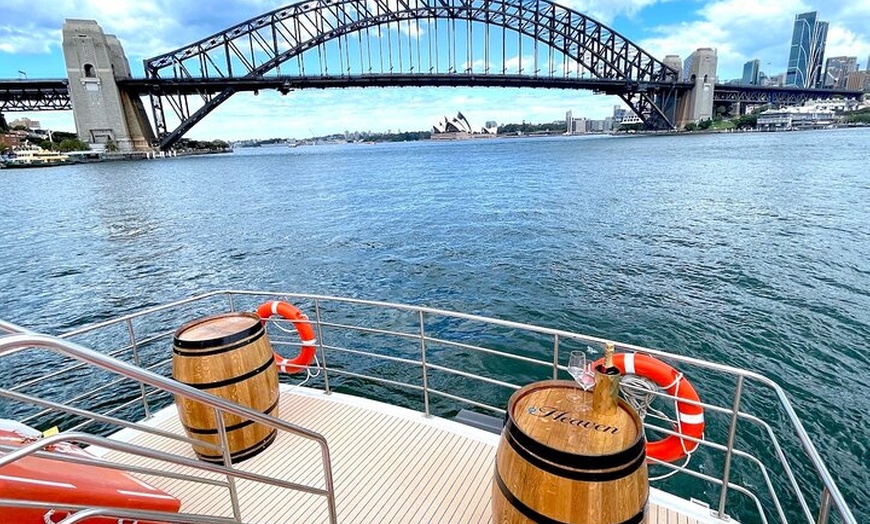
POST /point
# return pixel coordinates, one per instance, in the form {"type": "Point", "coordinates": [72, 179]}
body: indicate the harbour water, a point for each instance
{"type": "Point", "coordinates": [747, 249]}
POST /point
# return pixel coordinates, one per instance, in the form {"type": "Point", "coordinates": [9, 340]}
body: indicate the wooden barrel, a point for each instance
{"type": "Point", "coordinates": [229, 356]}
{"type": "Point", "coordinates": [559, 463]}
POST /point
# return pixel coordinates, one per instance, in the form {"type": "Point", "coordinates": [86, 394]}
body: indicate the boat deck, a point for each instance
{"type": "Point", "coordinates": [389, 464]}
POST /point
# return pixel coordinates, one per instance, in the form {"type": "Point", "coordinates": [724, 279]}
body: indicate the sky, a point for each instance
{"type": "Point", "coordinates": [739, 30]}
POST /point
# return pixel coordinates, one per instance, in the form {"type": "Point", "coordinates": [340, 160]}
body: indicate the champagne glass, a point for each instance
{"type": "Point", "coordinates": [582, 375]}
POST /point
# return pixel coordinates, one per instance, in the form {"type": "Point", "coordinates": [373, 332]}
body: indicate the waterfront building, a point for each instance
{"type": "Point", "coordinates": [807, 51]}
{"type": "Point", "coordinates": [751, 70]}
{"type": "Point", "coordinates": [837, 70]}
{"type": "Point", "coordinates": [25, 122]}
{"type": "Point", "coordinates": [795, 118]}
{"type": "Point", "coordinates": [619, 113]}
{"type": "Point", "coordinates": [569, 123]}
{"type": "Point", "coordinates": [631, 118]}
{"type": "Point", "coordinates": [457, 124]}
{"type": "Point", "coordinates": [858, 81]}
{"type": "Point", "coordinates": [457, 128]}
{"type": "Point", "coordinates": [12, 139]}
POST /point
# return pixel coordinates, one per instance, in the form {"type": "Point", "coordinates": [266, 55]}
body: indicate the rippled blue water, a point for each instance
{"type": "Point", "coordinates": [747, 249]}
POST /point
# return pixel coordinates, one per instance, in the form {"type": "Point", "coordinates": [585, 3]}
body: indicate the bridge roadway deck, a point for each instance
{"type": "Point", "coordinates": [287, 83]}
{"type": "Point", "coordinates": [53, 93]}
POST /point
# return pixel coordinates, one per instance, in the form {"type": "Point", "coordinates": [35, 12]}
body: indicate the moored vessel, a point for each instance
{"type": "Point", "coordinates": [34, 156]}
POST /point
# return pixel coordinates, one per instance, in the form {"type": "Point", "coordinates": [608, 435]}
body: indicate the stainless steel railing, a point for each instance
{"type": "Point", "coordinates": [418, 333]}
{"type": "Point", "coordinates": [830, 495]}
{"type": "Point", "coordinates": [14, 343]}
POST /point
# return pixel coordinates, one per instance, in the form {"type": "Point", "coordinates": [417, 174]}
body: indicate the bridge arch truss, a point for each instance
{"type": "Point", "coordinates": [409, 42]}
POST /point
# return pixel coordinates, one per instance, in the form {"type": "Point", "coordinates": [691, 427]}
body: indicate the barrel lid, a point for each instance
{"type": "Point", "coordinates": [547, 413]}
{"type": "Point", "coordinates": [217, 329]}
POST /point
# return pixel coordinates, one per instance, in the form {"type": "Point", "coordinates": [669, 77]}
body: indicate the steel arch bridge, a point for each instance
{"type": "Point", "coordinates": [346, 43]}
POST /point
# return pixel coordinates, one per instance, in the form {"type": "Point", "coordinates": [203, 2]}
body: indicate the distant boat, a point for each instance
{"type": "Point", "coordinates": [33, 156]}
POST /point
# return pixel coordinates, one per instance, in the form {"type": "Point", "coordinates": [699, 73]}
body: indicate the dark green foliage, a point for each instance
{"type": "Point", "coordinates": [407, 136]}
{"type": "Point", "coordinates": [747, 121]}
{"type": "Point", "coordinates": [72, 144]}
{"type": "Point", "coordinates": [524, 128]}
{"type": "Point", "coordinates": [213, 145]}
{"type": "Point", "coordinates": [628, 128]}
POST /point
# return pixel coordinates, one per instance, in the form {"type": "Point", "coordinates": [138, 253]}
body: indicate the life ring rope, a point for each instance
{"type": "Point", "coordinates": [689, 423]}
{"type": "Point", "coordinates": [308, 350]}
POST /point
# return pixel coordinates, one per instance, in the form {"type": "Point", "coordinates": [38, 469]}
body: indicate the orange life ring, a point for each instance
{"type": "Point", "coordinates": [303, 327]}
{"type": "Point", "coordinates": [690, 417]}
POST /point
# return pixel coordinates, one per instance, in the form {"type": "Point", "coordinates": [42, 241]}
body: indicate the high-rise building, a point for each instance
{"type": "Point", "coordinates": [858, 81]}
{"type": "Point", "coordinates": [837, 69]}
{"type": "Point", "coordinates": [750, 72]}
{"type": "Point", "coordinates": [807, 51]}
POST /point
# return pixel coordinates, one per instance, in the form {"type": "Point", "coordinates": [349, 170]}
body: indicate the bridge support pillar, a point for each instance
{"type": "Point", "coordinates": [697, 104]}
{"type": "Point", "coordinates": [104, 114]}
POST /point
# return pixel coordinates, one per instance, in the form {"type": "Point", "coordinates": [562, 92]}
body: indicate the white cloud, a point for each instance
{"type": "Point", "coordinates": [742, 30]}
{"type": "Point", "coordinates": [605, 11]}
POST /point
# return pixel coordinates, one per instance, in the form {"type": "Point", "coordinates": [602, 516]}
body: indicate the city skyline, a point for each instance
{"type": "Point", "coordinates": [148, 28]}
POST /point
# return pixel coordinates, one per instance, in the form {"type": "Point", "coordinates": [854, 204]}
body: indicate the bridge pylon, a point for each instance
{"type": "Point", "coordinates": [104, 114]}
{"type": "Point", "coordinates": [696, 104]}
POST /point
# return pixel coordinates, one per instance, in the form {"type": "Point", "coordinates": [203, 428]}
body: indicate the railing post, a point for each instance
{"type": "Point", "coordinates": [732, 432]}
{"type": "Point", "coordinates": [228, 462]}
{"type": "Point", "coordinates": [425, 370]}
{"type": "Point", "coordinates": [825, 507]}
{"type": "Point", "coordinates": [230, 302]}
{"type": "Point", "coordinates": [320, 344]}
{"type": "Point", "coordinates": [138, 364]}
{"type": "Point", "coordinates": [556, 357]}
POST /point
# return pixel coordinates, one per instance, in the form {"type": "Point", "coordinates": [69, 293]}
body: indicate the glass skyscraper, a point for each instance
{"type": "Point", "coordinates": [807, 51]}
{"type": "Point", "coordinates": [750, 72]}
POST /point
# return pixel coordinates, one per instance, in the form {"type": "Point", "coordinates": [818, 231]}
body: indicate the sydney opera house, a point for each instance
{"type": "Point", "coordinates": [458, 127]}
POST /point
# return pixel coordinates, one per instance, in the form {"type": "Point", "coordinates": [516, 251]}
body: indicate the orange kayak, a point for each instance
{"type": "Point", "coordinates": [58, 483]}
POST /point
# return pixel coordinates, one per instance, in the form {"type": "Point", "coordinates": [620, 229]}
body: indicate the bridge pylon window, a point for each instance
{"type": "Point", "coordinates": [90, 72]}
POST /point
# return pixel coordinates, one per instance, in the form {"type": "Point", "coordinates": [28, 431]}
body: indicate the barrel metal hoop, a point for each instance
{"type": "Point", "coordinates": [574, 460]}
{"type": "Point", "coordinates": [242, 454]}
{"type": "Point", "coordinates": [576, 474]}
{"type": "Point", "coordinates": [227, 343]}
{"type": "Point", "coordinates": [234, 380]}
{"type": "Point", "coordinates": [537, 517]}
{"type": "Point", "coordinates": [240, 425]}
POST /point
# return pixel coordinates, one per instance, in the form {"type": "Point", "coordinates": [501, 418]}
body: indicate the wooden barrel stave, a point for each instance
{"type": "Point", "coordinates": [228, 356]}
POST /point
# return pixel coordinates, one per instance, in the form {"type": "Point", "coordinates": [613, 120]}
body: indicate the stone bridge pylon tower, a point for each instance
{"type": "Point", "coordinates": [104, 114]}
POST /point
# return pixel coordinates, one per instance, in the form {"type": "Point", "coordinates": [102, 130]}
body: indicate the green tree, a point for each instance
{"type": "Point", "coordinates": [749, 121]}
{"type": "Point", "coordinates": [705, 124]}
{"type": "Point", "coordinates": [45, 144]}
{"type": "Point", "coordinates": [691, 126]}
{"type": "Point", "coordinates": [60, 136]}
{"type": "Point", "coordinates": [112, 146]}
{"type": "Point", "coordinates": [72, 144]}
{"type": "Point", "coordinates": [3, 125]}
